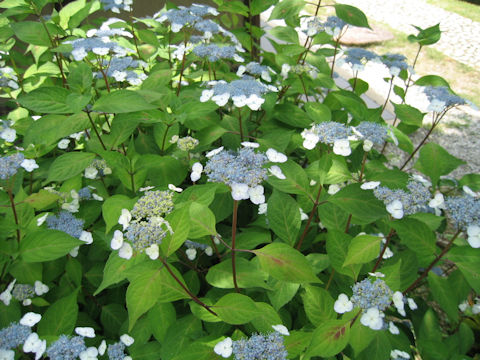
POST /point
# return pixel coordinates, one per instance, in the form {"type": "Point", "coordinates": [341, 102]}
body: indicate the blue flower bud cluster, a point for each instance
{"type": "Point", "coordinates": [116, 351]}
{"type": "Point", "coordinates": [143, 233]}
{"type": "Point", "coordinates": [334, 25]}
{"type": "Point", "coordinates": [313, 26]}
{"type": "Point", "coordinates": [81, 47]}
{"type": "Point", "coordinates": [260, 347]}
{"type": "Point", "coordinates": [358, 57]}
{"type": "Point", "coordinates": [9, 165]}
{"type": "Point", "coordinates": [413, 201]}
{"type": "Point", "coordinates": [187, 143]}
{"type": "Point", "coordinates": [463, 210]}
{"type": "Point", "coordinates": [117, 5]}
{"type": "Point", "coordinates": [247, 86]}
{"type": "Point", "coordinates": [67, 223]}
{"type": "Point", "coordinates": [153, 203]}
{"type": "Point", "coordinates": [120, 68]}
{"type": "Point", "coordinates": [242, 167]}
{"type": "Point", "coordinates": [183, 16]}
{"type": "Point", "coordinates": [372, 131]}
{"type": "Point", "coordinates": [66, 348]}
{"type": "Point", "coordinates": [368, 295]}
{"type": "Point", "coordinates": [441, 98]}
{"type": "Point", "coordinates": [101, 166]}
{"type": "Point", "coordinates": [8, 78]}
{"type": "Point", "coordinates": [394, 62]}
{"type": "Point", "coordinates": [207, 26]}
{"type": "Point", "coordinates": [195, 245]}
{"type": "Point", "coordinates": [85, 193]}
{"type": "Point", "coordinates": [23, 292]}
{"type": "Point", "coordinates": [13, 336]}
{"type": "Point", "coordinates": [214, 52]}
{"type": "Point", "coordinates": [330, 131]}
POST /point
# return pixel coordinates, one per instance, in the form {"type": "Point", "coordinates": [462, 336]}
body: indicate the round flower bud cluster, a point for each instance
{"type": "Point", "coordinates": [331, 133]}
{"type": "Point", "coordinates": [9, 165]}
{"type": "Point", "coordinates": [246, 91]}
{"type": "Point", "coordinates": [311, 26]}
{"type": "Point", "coordinates": [153, 203]}
{"type": "Point", "coordinates": [85, 193]}
{"type": "Point", "coordinates": [13, 336]}
{"type": "Point", "coordinates": [254, 68]}
{"type": "Point", "coordinates": [97, 167]}
{"type": "Point", "coordinates": [117, 5]}
{"type": "Point", "coordinates": [120, 68]}
{"type": "Point", "coordinates": [368, 295]}
{"type": "Point", "coordinates": [214, 52]}
{"type": "Point", "coordinates": [98, 46]}
{"type": "Point", "coordinates": [183, 16]}
{"type": "Point", "coordinates": [142, 234]}
{"type": "Point", "coordinates": [299, 69]}
{"type": "Point", "coordinates": [192, 247]}
{"type": "Point", "coordinates": [441, 98]}
{"type": "Point", "coordinates": [187, 143]}
{"type": "Point", "coordinates": [395, 63]}
{"type": "Point", "coordinates": [373, 132]}
{"type": "Point", "coordinates": [465, 213]}
{"type": "Point", "coordinates": [6, 132]}
{"type": "Point", "coordinates": [67, 223]}
{"type": "Point", "coordinates": [67, 347]}
{"type": "Point", "coordinates": [400, 202]}
{"type": "Point", "coordinates": [334, 25]}
{"type": "Point", "coordinates": [358, 57]}
{"type": "Point", "coordinates": [22, 292]}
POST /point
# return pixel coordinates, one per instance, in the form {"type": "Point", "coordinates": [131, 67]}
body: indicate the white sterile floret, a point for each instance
{"type": "Point", "coordinates": [310, 140]}
{"type": "Point", "coordinates": [86, 237]}
{"type": "Point", "coordinates": [277, 172]}
{"type": "Point", "coordinates": [412, 304]}
{"type": "Point", "coordinates": [97, 197]}
{"type": "Point", "coordinates": [8, 135]}
{"type": "Point", "coordinates": [90, 173]}
{"type": "Point", "coordinates": [33, 344]}
{"type": "Point", "coordinates": [30, 319]}
{"type": "Point", "coordinates": [127, 339]}
{"type": "Point", "coordinates": [208, 251]}
{"type": "Point", "coordinates": [6, 295]}
{"type": "Point", "coordinates": [7, 354]}
{"type": "Point", "coordinates": [420, 178]}
{"type": "Point", "coordinates": [206, 95]}
{"type": "Point", "coordinates": [285, 70]}
{"type": "Point", "coordinates": [214, 152]}
{"type": "Point", "coordinates": [395, 208]}
{"type": "Point", "coordinates": [343, 304]}
{"type": "Point", "coordinates": [153, 251]}
{"type": "Point", "coordinates": [197, 169]}
{"type": "Point", "coordinates": [221, 99]}
{"type": "Point", "coordinates": [125, 218]}
{"type": "Point", "coordinates": [191, 253]}
{"type": "Point", "coordinates": [377, 274]}
{"type": "Point", "coordinates": [126, 251]}
{"type": "Point", "coordinates": [224, 348]}
{"type": "Point", "coordinates": [63, 144]}
{"type": "Point", "coordinates": [250, 144]}
{"type": "Point", "coordinates": [262, 209]}
{"type": "Point", "coordinates": [473, 232]}
{"type": "Point", "coordinates": [373, 318]}
{"type": "Point", "coordinates": [29, 164]}
{"type": "Point", "coordinates": [240, 191]}
{"type": "Point", "coordinates": [398, 354]}
{"type": "Point", "coordinates": [90, 354]}
{"type": "Point", "coordinates": [333, 189]}
{"type": "Point", "coordinates": [397, 299]}
{"type": "Point", "coordinates": [74, 251]}
{"type": "Point", "coordinates": [40, 288]}
{"type": "Point", "coordinates": [88, 332]}
{"type": "Point", "coordinates": [438, 201]}
{"type": "Point", "coordinates": [470, 192]}
{"type": "Point", "coordinates": [303, 216]}
{"type": "Point", "coordinates": [254, 102]}
{"type": "Point", "coordinates": [367, 145]}
{"type": "Point", "coordinates": [42, 219]}
{"type": "Point", "coordinates": [117, 240]}
{"type": "Point", "coordinates": [239, 100]}
{"type": "Point", "coordinates": [174, 188]}
{"type": "Point", "coordinates": [102, 348]}
{"type": "Point", "coordinates": [281, 329]}
{"type": "Point", "coordinates": [275, 156]}
{"type": "Point", "coordinates": [393, 328]}
{"type": "Point", "coordinates": [342, 147]}
{"type": "Point", "coordinates": [256, 195]}
{"type": "Point", "coordinates": [370, 185]}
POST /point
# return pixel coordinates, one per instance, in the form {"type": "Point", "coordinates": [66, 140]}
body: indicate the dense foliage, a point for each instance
{"type": "Point", "coordinates": [170, 190]}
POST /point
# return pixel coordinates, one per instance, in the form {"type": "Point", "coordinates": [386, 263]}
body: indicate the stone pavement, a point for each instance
{"type": "Point", "coordinates": [460, 36]}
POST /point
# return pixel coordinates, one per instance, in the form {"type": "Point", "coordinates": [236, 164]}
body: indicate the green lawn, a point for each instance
{"type": "Point", "coordinates": [460, 7]}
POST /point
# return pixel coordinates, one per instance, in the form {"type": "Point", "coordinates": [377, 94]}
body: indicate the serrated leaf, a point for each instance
{"type": "Point", "coordinates": [284, 216]}
{"type": "Point", "coordinates": [236, 309]}
{"type": "Point", "coordinates": [337, 248]}
{"type": "Point", "coordinates": [122, 101]}
{"type": "Point", "coordinates": [296, 181]}
{"type": "Point", "coordinates": [248, 275]}
{"type": "Point", "coordinates": [53, 100]}
{"type": "Point", "coordinates": [115, 270]}
{"type": "Point", "coordinates": [46, 245]}
{"type": "Point", "coordinates": [351, 15]}
{"type": "Point", "coordinates": [202, 221]}
{"type": "Point", "coordinates": [112, 209]}
{"type": "Point", "coordinates": [318, 305]}
{"type": "Point", "coordinates": [329, 338]}
{"type": "Point", "coordinates": [69, 165]}
{"type": "Point", "coordinates": [362, 249]}
{"type": "Point", "coordinates": [60, 317]}
{"type": "Point", "coordinates": [180, 224]}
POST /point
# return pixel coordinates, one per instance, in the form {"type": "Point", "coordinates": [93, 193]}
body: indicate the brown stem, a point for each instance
{"type": "Point", "coordinates": [330, 279]}
{"type": "Point", "coordinates": [388, 95]}
{"type": "Point", "coordinates": [433, 263]}
{"type": "Point", "coordinates": [410, 76]}
{"type": "Point", "coordinates": [96, 131]}
{"type": "Point", "coordinates": [335, 55]}
{"type": "Point", "coordinates": [14, 210]}
{"type": "Point", "coordinates": [183, 66]}
{"type": "Point", "coordinates": [234, 232]}
{"type": "Point", "coordinates": [165, 138]}
{"type": "Point", "coordinates": [380, 257]}
{"type": "Point", "coordinates": [318, 7]}
{"type": "Point", "coordinates": [310, 217]}
{"type": "Point", "coordinates": [215, 248]}
{"type": "Point", "coordinates": [192, 296]}
{"type": "Point", "coordinates": [240, 124]}
{"type": "Point", "coordinates": [355, 318]}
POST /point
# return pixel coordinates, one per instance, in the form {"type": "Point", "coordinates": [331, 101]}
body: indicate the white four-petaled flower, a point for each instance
{"type": "Point", "coordinates": [224, 348]}
{"type": "Point", "coordinates": [395, 208]}
{"type": "Point", "coordinates": [343, 304]}
{"type": "Point", "coordinates": [125, 218]}
{"type": "Point", "coordinates": [373, 318]}
{"type": "Point", "coordinates": [277, 172]}
{"type": "Point", "coordinates": [30, 319]}
{"type": "Point", "coordinates": [240, 191]}
{"type": "Point", "coordinates": [85, 332]}
{"type": "Point", "coordinates": [275, 156]}
{"type": "Point", "coordinates": [342, 147]}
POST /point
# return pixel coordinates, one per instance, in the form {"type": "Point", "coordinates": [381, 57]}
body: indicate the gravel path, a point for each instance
{"type": "Point", "coordinates": [460, 35]}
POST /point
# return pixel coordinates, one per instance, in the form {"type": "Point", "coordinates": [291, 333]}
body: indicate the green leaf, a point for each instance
{"type": "Point", "coordinates": [31, 32]}
{"type": "Point", "coordinates": [69, 165]}
{"type": "Point", "coordinates": [149, 287]}
{"type": "Point", "coordinates": [287, 10]}
{"type": "Point", "coordinates": [46, 245]}
{"type": "Point", "coordinates": [122, 101]}
{"type": "Point", "coordinates": [282, 293]}
{"type": "Point", "coordinates": [112, 318]}
{"type": "Point", "coordinates": [42, 199]}
{"type": "Point", "coordinates": [284, 216]}
{"type": "Point", "coordinates": [122, 127]}
{"type": "Point", "coordinates": [329, 338]}
{"type": "Point", "coordinates": [435, 161]}
{"type": "Point", "coordinates": [318, 170]}
{"type": "Point", "coordinates": [284, 33]}
{"type": "Point", "coordinates": [234, 6]}
{"type": "Point", "coordinates": [284, 263]}
{"type": "Point", "coordinates": [80, 76]}
{"type": "Point", "coordinates": [318, 305]}
{"type": "Point", "coordinates": [112, 209]}
{"type": "Point", "coordinates": [160, 317]}
{"type": "Point", "coordinates": [337, 248]}
{"type": "Point", "coordinates": [267, 316]}
{"type": "Point", "coordinates": [442, 293]}
{"type": "Point", "coordinates": [428, 36]}
{"type": "Point", "coordinates": [296, 181]}
{"type": "Point", "coordinates": [259, 6]}
{"type": "Point", "coordinates": [351, 15]}
{"type": "Point", "coordinates": [417, 237]}
{"type": "Point", "coordinates": [162, 170]}
{"type": "Point", "coordinates": [378, 349]}
{"type": "Point", "coordinates": [148, 351]}
{"type": "Point", "coordinates": [362, 204]}
{"type": "Point", "coordinates": [202, 221]}
{"type": "Point", "coordinates": [248, 275]}
{"type": "Point", "coordinates": [60, 318]}
{"type": "Point", "coordinates": [318, 112]}
{"type": "Point", "coordinates": [362, 249]}
{"type": "Point", "coordinates": [291, 115]}
{"type": "Point", "coordinates": [180, 224]}
{"type": "Point", "coordinates": [467, 259]}
{"type": "Point", "coordinates": [236, 309]}
{"type": "Point", "coordinates": [203, 194]}
{"type": "Point", "coordinates": [432, 80]}
{"type": "Point", "coordinates": [26, 273]}
{"type": "Point", "coordinates": [116, 269]}
{"type": "Point", "coordinates": [338, 171]}
{"type": "Point", "coordinates": [53, 100]}
{"type": "Point", "coordinates": [409, 115]}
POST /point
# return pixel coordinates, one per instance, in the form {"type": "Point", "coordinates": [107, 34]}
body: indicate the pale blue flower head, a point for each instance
{"type": "Point", "coordinates": [66, 348]}
{"type": "Point", "coordinates": [358, 57]}
{"type": "Point", "coordinates": [10, 164]}
{"type": "Point", "coordinates": [144, 233]}
{"type": "Point", "coordinates": [85, 193]}
{"type": "Point", "coordinates": [214, 52]}
{"type": "Point", "coordinates": [334, 25]}
{"type": "Point", "coordinates": [441, 98]}
{"type": "Point", "coordinates": [153, 203]}
{"type": "Point", "coordinates": [368, 295]}
{"type": "Point", "coordinates": [13, 336]}
{"type": "Point", "coordinates": [23, 292]}
{"type": "Point", "coordinates": [372, 131]}
{"type": "Point", "coordinates": [260, 347]}
{"type": "Point", "coordinates": [463, 210]}
{"type": "Point", "coordinates": [395, 63]}
{"type": "Point", "coordinates": [8, 78]}
{"type": "Point", "coordinates": [116, 351]}
{"type": "Point", "coordinates": [67, 223]}
{"type": "Point", "coordinates": [117, 5]}
{"type": "Point", "coordinates": [413, 201]}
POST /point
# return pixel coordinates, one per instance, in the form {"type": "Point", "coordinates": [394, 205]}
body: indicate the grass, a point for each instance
{"type": "Point", "coordinates": [468, 10]}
